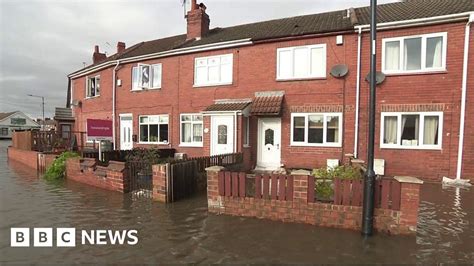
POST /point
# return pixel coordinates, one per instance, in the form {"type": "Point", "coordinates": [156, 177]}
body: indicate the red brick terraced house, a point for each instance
{"type": "Point", "coordinates": [271, 89]}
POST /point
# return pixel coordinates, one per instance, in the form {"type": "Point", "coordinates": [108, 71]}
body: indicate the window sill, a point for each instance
{"type": "Point", "coordinates": [141, 90]}
{"type": "Point", "coordinates": [92, 97]}
{"type": "Point", "coordinates": [415, 73]}
{"type": "Point", "coordinates": [200, 145]}
{"type": "Point", "coordinates": [154, 143]}
{"type": "Point", "coordinates": [211, 85]}
{"type": "Point", "coordinates": [316, 145]}
{"type": "Point", "coordinates": [300, 79]}
{"type": "Point", "coordinates": [246, 146]}
{"type": "Point", "coordinates": [410, 148]}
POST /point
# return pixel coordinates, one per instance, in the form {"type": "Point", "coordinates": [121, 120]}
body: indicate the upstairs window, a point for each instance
{"type": "Point", "coordinates": [154, 129]}
{"type": "Point", "coordinates": [191, 130]}
{"type": "Point", "coordinates": [316, 129]}
{"type": "Point", "coordinates": [301, 62]}
{"type": "Point", "coordinates": [412, 130]}
{"type": "Point", "coordinates": [213, 70]}
{"type": "Point", "coordinates": [421, 53]}
{"type": "Point", "coordinates": [146, 76]}
{"type": "Point", "coordinates": [93, 86]}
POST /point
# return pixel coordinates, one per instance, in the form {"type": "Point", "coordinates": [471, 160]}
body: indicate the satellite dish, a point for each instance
{"type": "Point", "coordinates": [379, 77]}
{"type": "Point", "coordinates": [339, 71]}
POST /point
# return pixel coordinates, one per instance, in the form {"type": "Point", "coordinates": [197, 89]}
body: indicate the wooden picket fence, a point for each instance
{"type": "Point", "coordinates": [350, 192]}
{"type": "Point", "coordinates": [225, 160]}
{"type": "Point", "coordinates": [275, 187]}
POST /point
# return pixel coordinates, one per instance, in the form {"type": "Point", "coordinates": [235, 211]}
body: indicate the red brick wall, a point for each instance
{"type": "Point", "coordinates": [435, 88]}
{"type": "Point", "coordinates": [28, 158]}
{"type": "Point", "coordinates": [160, 183]}
{"type": "Point", "coordinates": [114, 177]}
{"type": "Point", "coordinates": [254, 69]}
{"type": "Point", "coordinates": [321, 214]}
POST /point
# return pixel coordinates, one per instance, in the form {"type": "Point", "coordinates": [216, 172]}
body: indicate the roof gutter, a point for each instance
{"type": "Point", "coordinates": [417, 22]}
{"type": "Point", "coordinates": [186, 50]}
{"type": "Point", "coordinates": [463, 97]}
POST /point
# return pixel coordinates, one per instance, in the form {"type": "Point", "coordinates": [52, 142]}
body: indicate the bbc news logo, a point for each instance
{"type": "Point", "coordinates": [66, 237]}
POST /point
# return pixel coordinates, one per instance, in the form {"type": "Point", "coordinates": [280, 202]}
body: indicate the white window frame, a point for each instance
{"type": "Point", "coordinates": [87, 86]}
{"type": "Point", "coordinates": [192, 143]}
{"type": "Point", "coordinates": [247, 131]}
{"type": "Point", "coordinates": [219, 83]}
{"type": "Point", "coordinates": [150, 87]}
{"type": "Point", "coordinates": [421, 129]}
{"type": "Point", "coordinates": [423, 68]}
{"type": "Point", "coordinates": [148, 123]}
{"type": "Point", "coordinates": [292, 49]}
{"type": "Point", "coordinates": [306, 123]}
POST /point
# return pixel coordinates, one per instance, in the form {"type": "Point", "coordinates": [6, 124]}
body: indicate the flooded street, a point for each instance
{"type": "Point", "coordinates": [184, 232]}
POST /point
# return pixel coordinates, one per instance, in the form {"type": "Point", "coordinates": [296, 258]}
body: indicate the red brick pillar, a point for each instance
{"type": "Point", "coordinates": [214, 201]}
{"type": "Point", "coordinates": [409, 202]}
{"type": "Point", "coordinates": [160, 182]}
{"type": "Point", "coordinates": [300, 185]}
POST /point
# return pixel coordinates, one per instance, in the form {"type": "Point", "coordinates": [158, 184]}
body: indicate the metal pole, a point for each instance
{"type": "Point", "coordinates": [369, 180]}
{"type": "Point", "coordinates": [44, 122]}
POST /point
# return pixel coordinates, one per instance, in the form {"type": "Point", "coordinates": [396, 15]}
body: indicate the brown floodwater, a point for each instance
{"type": "Point", "coordinates": [184, 232]}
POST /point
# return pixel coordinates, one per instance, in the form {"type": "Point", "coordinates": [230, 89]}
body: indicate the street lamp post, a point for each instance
{"type": "Point", "coordinates": [42, 102]}
{"type": "Point", "coordinates": [369, 180]}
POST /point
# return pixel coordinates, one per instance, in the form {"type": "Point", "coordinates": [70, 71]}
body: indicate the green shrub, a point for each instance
{"type": "Point", "coordinates": [57, 170]}
{"type": "Point", "coordinates": [342, 172]}
{"type": "Point", "coordinates": [324, 190]}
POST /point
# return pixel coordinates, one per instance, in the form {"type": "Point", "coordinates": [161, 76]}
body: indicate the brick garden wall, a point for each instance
{"type": "Point", "coordinates": [84, 170]}
{"type": "Point", "coordinates": [26, 157]}
{"type": "Point", "coordinates": [298, 209]}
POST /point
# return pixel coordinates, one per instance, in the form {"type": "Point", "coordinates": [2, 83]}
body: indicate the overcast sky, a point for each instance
{"type": "Point", "coordinates": [41, 41]}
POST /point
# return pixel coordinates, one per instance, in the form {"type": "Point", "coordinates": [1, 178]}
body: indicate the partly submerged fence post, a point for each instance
{"type": "Point", "coordinates": [214, 201]}
{"type": "Point", "coordinates": [409, 201]}
{"type": "Point", "coordinates": [160, 183]}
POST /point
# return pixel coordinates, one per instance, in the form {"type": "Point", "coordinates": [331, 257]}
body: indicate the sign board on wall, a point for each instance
{"type": "Point", "coordinates": [98, 129]}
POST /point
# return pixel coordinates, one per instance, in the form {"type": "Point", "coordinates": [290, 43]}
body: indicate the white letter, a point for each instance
{"type": "Point", "coordinates": [43, 237]}
{"type": "Point", "coordinates": [89, 238]}
{"type": "Point", "coordinates": [19, 237]}
{"type": "Point", "coordinates": [101, 236]}
{"type": "Point", "coordinates": [115, 236]}
{"type": "Point", "coordinates": [132, 237]}
{"type": "Point", "coordinates": [66, 237]}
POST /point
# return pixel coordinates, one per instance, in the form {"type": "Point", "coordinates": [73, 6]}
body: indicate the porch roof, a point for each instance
{"type": "Point", "coordinates": [267, 104]}
{"type": "Point", "coordinates": [227, 106]}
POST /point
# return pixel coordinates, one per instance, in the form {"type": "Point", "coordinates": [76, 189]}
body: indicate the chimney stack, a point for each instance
{"type": "Point", "coordinates": [120, 47]}
{"type": "Point", "coordinates": [97, 56]}
{"type": "Point", "coordinates": [197, 21]}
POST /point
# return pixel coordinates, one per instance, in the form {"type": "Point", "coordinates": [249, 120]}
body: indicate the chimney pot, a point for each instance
{"type": "Point", "coordinates": [120, 47]}
{"type": "Point", "coordinates": [97, 56]}
{"type": "Point", "coordinates": [197, 21]}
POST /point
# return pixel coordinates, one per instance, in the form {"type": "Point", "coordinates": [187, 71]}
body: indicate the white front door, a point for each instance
{"type": "Point", "coordinates": [126, 129]}
{"type": "Point", "coordinates": [269, 142]}
{"type": "Point", "coordinates": [222, 134]}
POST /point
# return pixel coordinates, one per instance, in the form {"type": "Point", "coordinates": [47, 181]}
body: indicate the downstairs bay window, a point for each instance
{"type": "Point", "coordinates": [154, 129]}
{"type": "Point", "coordinates": [421, 130]}
{"type": "Point", "coordinates": [316, 129]}
{"type": "Point", "coordinates": [191, 130]}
